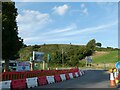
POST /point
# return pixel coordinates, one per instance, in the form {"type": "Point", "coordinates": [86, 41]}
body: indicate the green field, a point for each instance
{"type": "Point", "coordinates": [102, 59]}
{"type": "Point", "coordinates": [106, 57]}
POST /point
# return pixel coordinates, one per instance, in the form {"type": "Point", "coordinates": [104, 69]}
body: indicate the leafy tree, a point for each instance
{"type": "Point", "coordinates": [90, 47]}
{"type": "Point", "coordinates": [98, 44]}
{"type": "Point", "coordinates": [11, 43]}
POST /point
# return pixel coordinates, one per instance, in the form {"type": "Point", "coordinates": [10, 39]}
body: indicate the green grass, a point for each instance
{"type": "Point", "coordinates": [102, 60]}
{"type": "Point", "coordinates": [109, 57]}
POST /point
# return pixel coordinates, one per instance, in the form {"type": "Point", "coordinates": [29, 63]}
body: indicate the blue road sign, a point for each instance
{"type": "Point", "coordinates": [117, 65]}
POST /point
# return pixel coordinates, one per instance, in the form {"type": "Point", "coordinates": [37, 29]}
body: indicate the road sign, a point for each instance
{"type": "Point", "coordinates": [117, 65]}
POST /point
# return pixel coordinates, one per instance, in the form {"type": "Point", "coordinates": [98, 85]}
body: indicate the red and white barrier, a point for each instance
{"type": "Point", "coordinates": [18, 84]}
{"type": "Point", "coordinates": [71, 75]}
{"type": "Point", "coordinates": [57, 78]}
{"type": "Point", "coordinates": [42, 80]}
{"type": "Point", "coordinates": [32, 82]}
{"type": "Point", "coordinates": [50, 79]}
{"type": "Point", "coordinates": [38, 81]}
{"type": "Point", "coordinates": [5, 84]}
{"type": "Point", "coordinates": [62, 77]}
{"type": "Point", "coordinates": [76, 74]}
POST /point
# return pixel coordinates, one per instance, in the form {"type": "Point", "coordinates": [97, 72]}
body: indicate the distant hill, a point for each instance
{"type": "Point", "coordinates": [72, 54]}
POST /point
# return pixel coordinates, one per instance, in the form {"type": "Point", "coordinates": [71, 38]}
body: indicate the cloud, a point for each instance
{"type": "Point", "coordinates": [61, 10]}
{"type": "Point", "coordinates": [30, 21]}
{"type": "Point", "coordinates": [83, 9]}
{"type": "Point", "coordinates": [67, 34]}
{"type": "Point", "coordinates": [82, 5]}
{"type": "Point", "coordinates": [91, 29]}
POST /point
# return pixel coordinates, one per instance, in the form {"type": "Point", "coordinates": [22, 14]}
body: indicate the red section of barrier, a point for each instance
{"type": "Point", "coordinates": [57, 78]}
{"type": "Point", "coordinates": [74, 75]}
{"type": "Point", "coordinates": [42, 80]}
{"type": "Point", "coordinates": [78, 74]}
{"type": "Point", "coordinates": [67, 76]}
{"type": "Point", "coordinates": [18, 84]}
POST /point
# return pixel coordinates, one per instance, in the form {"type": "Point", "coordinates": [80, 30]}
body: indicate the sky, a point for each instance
{"type": "Point", "coordinates": [68, 22]}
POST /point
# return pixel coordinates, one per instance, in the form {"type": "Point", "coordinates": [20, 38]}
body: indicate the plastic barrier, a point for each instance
{"type": "Point", "coordinates": [18, 84]}
{"type": "Point", "coordinates": [71, 75]}
{"type": "Point", "coordinates": [42, 80]}
{"type": "Point", "coordinates": [76, 74]}
{"type": "Point", "coordinates": [80, 73]}
{"type": "Point", "coordinates": [62, 77]}
{"type": "Point", "coordinates": [31, 82]}
{"type": "Point", "coordinates": [57, 78]}
{"type": "Point", "coordinates": [67, 76]}
{"type": "Point", "coordinates": [6, 84]}
{"type": "Point", "coordinates": [50, 79]}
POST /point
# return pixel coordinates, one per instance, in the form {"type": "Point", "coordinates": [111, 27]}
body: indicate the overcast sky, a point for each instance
{"type": "Point", "coordinates": [68, 22]}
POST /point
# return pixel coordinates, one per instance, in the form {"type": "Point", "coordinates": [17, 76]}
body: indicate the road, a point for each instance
{"type": "Point", "coordinates": [91, 79]}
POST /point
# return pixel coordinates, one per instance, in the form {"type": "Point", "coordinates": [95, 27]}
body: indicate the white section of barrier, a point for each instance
{"type": "Point", "coordinates": [80, 73]}
{"type": "Point", "coordinates": [5, 84]}
{"type": "Point", "coordinates": [76, 74]}
{"type": "Point", "coordinates": [31, 82]}
{"type": "Point", "coordinates": [50, 79]}
{"type": "Point", "coordinates": [71, 75]}
{"type": "Point", "coordinates": [62, 76]}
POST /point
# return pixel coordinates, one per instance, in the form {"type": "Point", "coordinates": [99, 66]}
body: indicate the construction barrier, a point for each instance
{"type": "Point", "coordinates": [76, 74]}
{"type": "Point", "coordinates": [80, 73]}
{"type": "Point", "coordinates": [71, 75]}
{"type": "Point", "coordinates": [31, 82]}
{"type": "Point", "coordinates": [18, 84]}
{"type": "Point", "coordinates": [62, 76]}
{"type": "Point", "coordinates": [57, 78]}
{"type": "Point", "coordinates": [42, 80]}
{"type": "Point", "coordinates": [6, 84]}
{"type": "Point", "coordinates": [50, 79]}
{"type": "Point", "coordinates": [67, 76]}
{"type": "Point", "coordinates": [23, 80]}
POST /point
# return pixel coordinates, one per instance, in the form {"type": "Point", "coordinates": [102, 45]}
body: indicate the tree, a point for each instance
{"type": "Point", "coordinates": [11, 43]}
{"type": "Point", "coordinates": [98, 44]}
{"type": "Point", "coordinates": [90, 47]}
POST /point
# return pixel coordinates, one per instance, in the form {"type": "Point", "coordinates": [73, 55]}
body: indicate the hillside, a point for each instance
{"type": "Point", "coordinates": [103, 59]}
{"type": "Point", "coordinates": [72, 55]}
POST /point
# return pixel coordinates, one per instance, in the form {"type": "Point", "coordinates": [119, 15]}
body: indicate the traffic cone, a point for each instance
{"type": "Point", "coordinates": [112, 80]}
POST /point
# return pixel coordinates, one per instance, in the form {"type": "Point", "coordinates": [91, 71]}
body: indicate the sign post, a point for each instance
{"type": "Point", "coordinates": [38, 57]}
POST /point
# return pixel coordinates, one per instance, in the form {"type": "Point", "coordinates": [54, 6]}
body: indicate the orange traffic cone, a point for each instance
{"type": "Point", "coordinates": [112, 80]}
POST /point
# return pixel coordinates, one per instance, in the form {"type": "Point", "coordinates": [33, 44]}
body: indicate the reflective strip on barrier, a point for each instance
{"type": "Point", "coordinates": [50, 79]}
{"type": "Point", "coordinates": [5, 84]}
{"type": "Point", "coordinates": [31, 82]}
{"type": "Point", "coordinates": [62, 77]}
{"type": "Point", "coordinates": [71, 75]}
{"type": "Point", "coordinates": [76, 74]}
